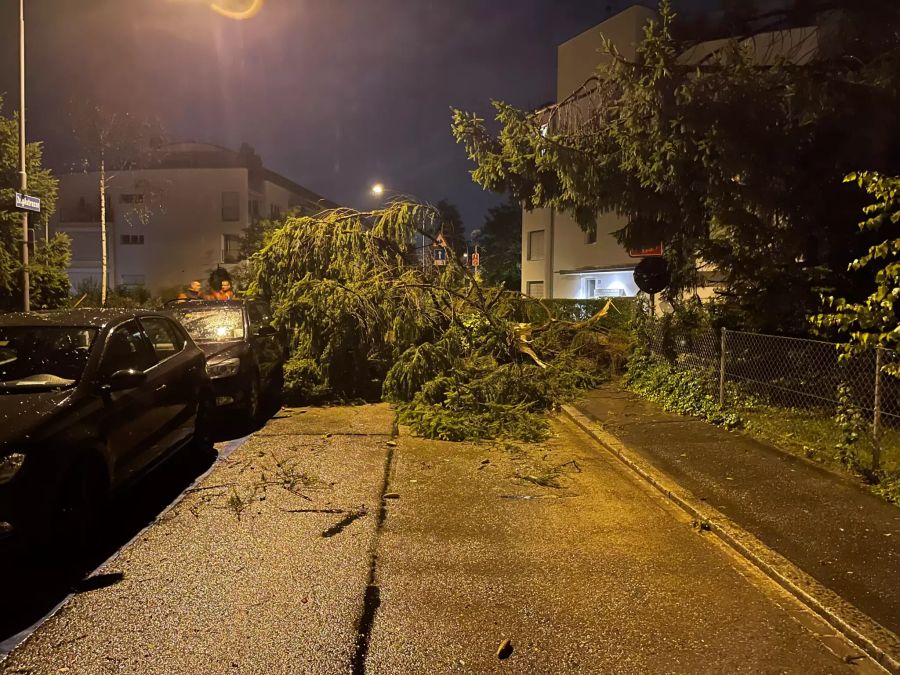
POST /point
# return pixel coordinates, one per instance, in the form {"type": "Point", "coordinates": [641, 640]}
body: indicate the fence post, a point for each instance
{"type": "Point", "coordinates": [722, 371]}
{"type": "Point", "coordinates": [876, 421]}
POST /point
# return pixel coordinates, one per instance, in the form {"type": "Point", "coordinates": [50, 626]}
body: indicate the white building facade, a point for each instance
{"type": "Point", "coordinates": [174, 220]}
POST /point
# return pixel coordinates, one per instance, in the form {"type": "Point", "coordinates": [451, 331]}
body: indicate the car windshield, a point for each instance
{"type": "Point", "coordinates": [207, 324]}
{"type": "Point", "coordinates": [43, 357]}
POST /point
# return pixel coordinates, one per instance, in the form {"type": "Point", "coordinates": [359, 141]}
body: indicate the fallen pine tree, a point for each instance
{"type": "Point", "coordinates": [367, 321]}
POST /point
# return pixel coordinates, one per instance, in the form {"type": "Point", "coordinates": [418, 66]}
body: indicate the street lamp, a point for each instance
{"type": "Point", "coordinates": [378, 189]}
{"type": "Point", "coordinates": [252, 9]}
{"type": "Point", "coordinates": [23, 175]}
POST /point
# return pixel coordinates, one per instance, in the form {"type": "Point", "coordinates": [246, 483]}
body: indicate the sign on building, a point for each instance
{"type": "Point", "coordinates": [650, 252]}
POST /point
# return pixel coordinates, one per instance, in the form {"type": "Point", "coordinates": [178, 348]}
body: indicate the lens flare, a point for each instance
{"type": "Point", "coordinates": [251, 9]}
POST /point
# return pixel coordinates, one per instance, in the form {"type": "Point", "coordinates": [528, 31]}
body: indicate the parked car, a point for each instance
{"type": "Point", "coordinates": [245, 354]}
{"type": "Point", "coordinates": [90, 400]}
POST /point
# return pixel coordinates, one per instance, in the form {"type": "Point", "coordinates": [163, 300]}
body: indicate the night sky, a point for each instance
{"type": "Point", "coordinates": [334, 94]}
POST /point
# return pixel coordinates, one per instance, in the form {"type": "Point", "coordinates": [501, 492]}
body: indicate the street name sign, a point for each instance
{"type": "Point", "coordinates": [28, 203]}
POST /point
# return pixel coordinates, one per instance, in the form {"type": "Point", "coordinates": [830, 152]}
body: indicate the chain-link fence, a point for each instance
{"type": "Point", "coordinates": [796, 392]}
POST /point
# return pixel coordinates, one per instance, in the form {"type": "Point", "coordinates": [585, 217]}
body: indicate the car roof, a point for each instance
{"type": "Point", "coordinates": [184, 304]}
{"type": "Point", "coordinates": [95, 317]}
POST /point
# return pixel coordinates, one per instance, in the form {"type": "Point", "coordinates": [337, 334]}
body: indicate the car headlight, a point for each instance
{"type": "Point", "coordinates": [224, 368]}
{"type": "Point", "coordinates": [10, 465]}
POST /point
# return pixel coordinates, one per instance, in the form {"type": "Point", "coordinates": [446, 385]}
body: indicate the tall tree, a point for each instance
{"type": "Point", "coordinates": [737, 16]}
{"type": "Point", "coordinates": [738, 163]}
{"type": "Point", "coordinates": [111, 141]}
{"type": "Point", "coordinates": [49, 284]}
{"type": "Point", "coordinates": [500, 245]}
{"type": "Point", "coordinates": [875, 321]}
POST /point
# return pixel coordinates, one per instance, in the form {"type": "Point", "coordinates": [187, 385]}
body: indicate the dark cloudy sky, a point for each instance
{"type": "Point", "coordinates": [334, 94]}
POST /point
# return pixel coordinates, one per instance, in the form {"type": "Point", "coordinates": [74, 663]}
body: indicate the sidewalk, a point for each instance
{"type": "Point", "coordinates": [826, 524]}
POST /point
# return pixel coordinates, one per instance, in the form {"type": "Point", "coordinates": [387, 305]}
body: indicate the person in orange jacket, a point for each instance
{"type": "Point", "coordinates": [226, 292]}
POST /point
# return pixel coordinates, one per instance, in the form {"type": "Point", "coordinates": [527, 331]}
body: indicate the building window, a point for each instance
{"type": "Point", "coordinates": [231, 206]}
{"type": "Point", "coordinates": [231, 248]}
{"type": "Point", "coordinates": [253, 209]}
{"type": "Point", "coordinates": [274, 211]}
{"type": "Point", "coordinates": [536, 245]}
{"type": "Point", "coordinates": [535, 289]}
{"type": "Point", "coordinates": [85, 246]}
{"type": "Point", "coordinates": [132, 239]}
{"type": "Point", "coordinates": [590, 237]}
{"type": "Point", "coordinates": [590, 288]}
{"type": "Point", "coordinates": [131, 198]}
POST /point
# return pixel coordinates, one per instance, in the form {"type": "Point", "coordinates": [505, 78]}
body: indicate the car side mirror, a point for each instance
{"type": "Point", "coordinates": [266, 331]}
{"type": "Point", "coordinates": [125, 379]}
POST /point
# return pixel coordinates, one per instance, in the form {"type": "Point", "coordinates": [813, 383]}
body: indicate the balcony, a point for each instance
{"type": "Point", "coordinates": [84, 215]}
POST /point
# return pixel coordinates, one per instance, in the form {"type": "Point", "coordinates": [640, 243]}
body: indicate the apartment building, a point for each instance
{"type": "Point", "coordinates": [177, 217]}
{"type": "Point", "coordinates": [559, 260]}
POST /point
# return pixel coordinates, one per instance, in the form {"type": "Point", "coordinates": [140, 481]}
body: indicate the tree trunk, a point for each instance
{"type": "Point", "coordinates": [104, 263]}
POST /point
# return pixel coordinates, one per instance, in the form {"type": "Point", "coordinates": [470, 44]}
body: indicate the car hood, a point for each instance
{"type": "Point", "coordinates": [25, 418]}
{"type": "Point", "coordinates": [217, 351]}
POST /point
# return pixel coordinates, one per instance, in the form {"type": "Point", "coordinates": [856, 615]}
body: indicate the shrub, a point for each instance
{"type": "Point", "coordinates": [679, 391]}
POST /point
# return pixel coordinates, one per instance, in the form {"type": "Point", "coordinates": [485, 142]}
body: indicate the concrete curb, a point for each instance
{"type": "Point", "coordinates": [877, 641]}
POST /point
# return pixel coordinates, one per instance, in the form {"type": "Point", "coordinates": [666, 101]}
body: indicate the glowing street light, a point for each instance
{"type": "Point", "coordinates": [252, 9]}
{"type": "Point", "coordinates": [378, 189]}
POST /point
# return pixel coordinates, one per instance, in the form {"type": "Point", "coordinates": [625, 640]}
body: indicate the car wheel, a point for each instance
{"type": "Point", "coordinates": [76, 514]}
{"type": "Point", "coordinates": [252, 404]}
{"type": "Point", "coordinates": [203, 426]}
{"type": "Point", "coordinates": [277, 385]}
{"type": "Point", "coordinates": [275, 389]}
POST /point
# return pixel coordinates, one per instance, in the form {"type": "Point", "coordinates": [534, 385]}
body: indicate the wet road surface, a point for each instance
{"type": "Point", "coordinates": [37, 585]}
{"type": "Point", "coordinates": [327, 544]}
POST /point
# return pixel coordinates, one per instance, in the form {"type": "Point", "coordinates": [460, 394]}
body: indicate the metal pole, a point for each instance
{"type": "Point", "coordinates": [722, 371]}
{"type": "Point", "coordinates": [876, 423]}
{"type": "Point", "coordinates": [23, 174]}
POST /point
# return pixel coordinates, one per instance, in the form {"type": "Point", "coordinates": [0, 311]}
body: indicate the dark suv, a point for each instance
{"type": "Point", "coordinates": [245, 354]}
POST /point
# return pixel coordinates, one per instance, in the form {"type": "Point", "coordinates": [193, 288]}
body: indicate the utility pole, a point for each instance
{"type": "Point", "coordinates": [23, 175]}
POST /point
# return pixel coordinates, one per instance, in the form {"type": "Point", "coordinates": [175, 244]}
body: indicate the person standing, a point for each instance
{"type": "Point", "coordinates": [226, 292]}
{"type": "Point", "coordinates": [195, 291]}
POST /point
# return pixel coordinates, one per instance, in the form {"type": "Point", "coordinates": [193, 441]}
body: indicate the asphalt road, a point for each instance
{"type": "Point", "coordinates": [326, 544]}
